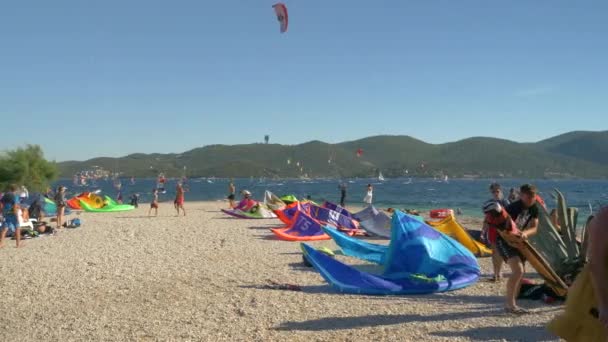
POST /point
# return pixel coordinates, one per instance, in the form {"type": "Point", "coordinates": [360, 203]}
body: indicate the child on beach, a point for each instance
{"type": "Point", "coordinates": [179, 199]}
{"type": "Point", "coordinates": [489, 232]}
{"type": "Point", "coordinates": [497, 217]}
{"type": "Point", "coordinates": [10, 209]}
{"type": "Point", "coordinates": [154, 204]}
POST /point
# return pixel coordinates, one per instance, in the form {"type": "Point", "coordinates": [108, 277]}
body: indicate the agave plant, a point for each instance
{"type": "Point", "coordinates": [560, 247]}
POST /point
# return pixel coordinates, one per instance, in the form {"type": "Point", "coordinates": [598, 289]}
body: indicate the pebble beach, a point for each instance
{"type": "Point", "coordinates": [207, 276]}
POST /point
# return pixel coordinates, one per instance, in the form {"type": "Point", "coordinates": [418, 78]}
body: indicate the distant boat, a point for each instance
{"type": "Point", "coordinates": [446, 179]}
{"type": "Point", "coordinates": [409, 181]}
{"type": "Point", "coordinates": [380, 177]}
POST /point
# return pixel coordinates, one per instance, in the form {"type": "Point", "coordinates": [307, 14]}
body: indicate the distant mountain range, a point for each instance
{"type": "Point", "coordinates": [571, 155]}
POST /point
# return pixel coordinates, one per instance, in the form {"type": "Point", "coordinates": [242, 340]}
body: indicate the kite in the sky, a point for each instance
{"type": "Point", "coordinates": [359, 152]}
{"type": "Point", "coordinates": [281, 11]}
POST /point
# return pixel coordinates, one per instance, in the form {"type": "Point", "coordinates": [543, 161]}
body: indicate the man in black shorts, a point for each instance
{"type": "Point", "coordinates": [523, 214]}
{"type": "Point", "coordinates": [231, 194]}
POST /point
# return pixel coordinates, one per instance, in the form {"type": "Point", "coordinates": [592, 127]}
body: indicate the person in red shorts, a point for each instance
{"type": "Point", "coordinates": [179, 199]}
{"type": "Point", "coordinates": [154, 204]}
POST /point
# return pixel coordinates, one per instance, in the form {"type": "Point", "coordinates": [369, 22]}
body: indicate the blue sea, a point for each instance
{"type": "Point", "coordinates": [410, 193]}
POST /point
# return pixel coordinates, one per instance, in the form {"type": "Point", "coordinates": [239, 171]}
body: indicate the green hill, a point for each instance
{"type": "Point", "coordinates": [590, 146]}
{"type": "Point", "coordinates": [575, 154]}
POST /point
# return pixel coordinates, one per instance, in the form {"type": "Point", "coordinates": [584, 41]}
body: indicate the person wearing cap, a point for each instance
{"type": "Point", "coordinates": [489, 233]}
{"type": "Point", "coordinates": [246, 203]}
{"type": "Point", "coordinates": [497, 217]}
{"type": "Point", "coordinates": [60, 203]}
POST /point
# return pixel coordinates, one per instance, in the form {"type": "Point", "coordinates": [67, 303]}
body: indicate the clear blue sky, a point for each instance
{"type": "Point", "coordinates": [93, 78]}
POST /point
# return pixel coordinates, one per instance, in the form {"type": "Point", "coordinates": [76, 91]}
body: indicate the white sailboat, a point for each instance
{"type": "Point", "coordinates": [380, 176]}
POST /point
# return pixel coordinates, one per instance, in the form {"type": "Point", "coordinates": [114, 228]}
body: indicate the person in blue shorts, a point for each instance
{"type": "Point", "coordinates": [10, 209]}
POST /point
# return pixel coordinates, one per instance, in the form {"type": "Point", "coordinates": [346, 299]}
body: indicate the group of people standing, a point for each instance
{"type": "Point", "coordinates": [178, 202]}
{"type": "Point", "coordinates": [16, 215]}
{"type": "Point", "coordinates": [518, 217]}
{"type": "Point", "coordinates": [367, 199]}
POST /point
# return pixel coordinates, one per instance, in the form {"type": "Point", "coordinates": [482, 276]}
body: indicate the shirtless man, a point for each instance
{"type": "Point", "coordinates": [179, 199]}
{"type": "Point", "coordinates": [231, 194]}
{"type": "Point", "coordinates": [154, 203]}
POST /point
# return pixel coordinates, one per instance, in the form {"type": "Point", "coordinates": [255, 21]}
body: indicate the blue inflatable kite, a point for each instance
{"type": "Point", "coordinates": [418, 260]}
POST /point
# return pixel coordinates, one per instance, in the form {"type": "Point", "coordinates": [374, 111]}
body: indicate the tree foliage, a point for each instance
{"type": "Point", "coordinates": [27, 166]}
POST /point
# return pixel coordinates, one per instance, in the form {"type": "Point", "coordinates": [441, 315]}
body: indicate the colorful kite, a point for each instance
{"type": "Point", "coordinates": [281, 11]}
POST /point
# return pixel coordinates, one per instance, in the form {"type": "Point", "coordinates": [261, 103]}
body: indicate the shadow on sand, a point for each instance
{"type": "Point", "coordinates": [344, 323]}
{"type": "Point", "coordinates": [270, 237]}
{"type": "Point", "coordinates": [512, 333]}
{"type": "Point", "coordinates": [136, 217]}
{"type": "Point", "coordinates": [299, 266]}
{"type": "Point", "coordinates": [266, 227]}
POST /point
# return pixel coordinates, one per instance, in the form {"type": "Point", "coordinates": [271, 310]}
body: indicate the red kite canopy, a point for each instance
{"type": "Point", "coordinates": [281, 11]}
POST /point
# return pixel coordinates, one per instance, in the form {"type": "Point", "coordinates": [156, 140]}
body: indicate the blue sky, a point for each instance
{"type": "Point", "coordinates": [92, 78]}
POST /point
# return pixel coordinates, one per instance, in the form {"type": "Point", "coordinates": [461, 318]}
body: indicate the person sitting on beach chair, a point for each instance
{"type": "Point", "coordinates": [246, 204]}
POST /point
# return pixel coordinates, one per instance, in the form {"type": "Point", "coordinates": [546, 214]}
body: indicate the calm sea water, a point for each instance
{"type": "Point", "coordinates": [422, 194]}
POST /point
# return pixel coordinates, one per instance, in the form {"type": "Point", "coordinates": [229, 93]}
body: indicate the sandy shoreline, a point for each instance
{"type": "Point", "coordinates": [124, 276]}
